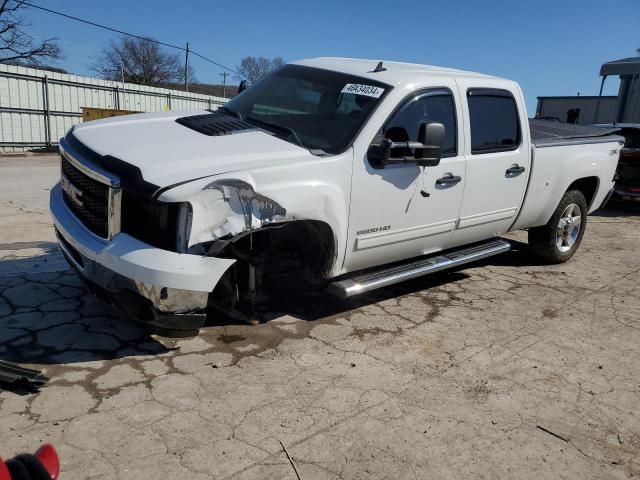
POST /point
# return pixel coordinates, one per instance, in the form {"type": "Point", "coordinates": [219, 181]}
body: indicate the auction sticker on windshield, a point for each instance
{"type": "Point", "coordinates": [368, 90]}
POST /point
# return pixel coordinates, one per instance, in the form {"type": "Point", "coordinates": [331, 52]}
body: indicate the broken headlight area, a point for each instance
{"type": "Point", "coordinates": [228, 208]}
{"type": "Point", "coordinates": [160, 224]}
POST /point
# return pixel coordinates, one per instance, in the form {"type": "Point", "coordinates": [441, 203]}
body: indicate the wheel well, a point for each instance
{"type": "Point", "coordinates": [314, 242]}
{"type": "Point", "coordinates": [281, 257]}
{"type": "Point", "coordinates": [299, 246]}
{"type": "Point", "coordinates": [588, 186]}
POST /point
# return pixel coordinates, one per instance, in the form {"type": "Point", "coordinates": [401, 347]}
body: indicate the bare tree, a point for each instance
{"type": "Point", "coordinates": [140, 61]}
{"type": "Point", "coordinates": [252, 68]}
{"type": "Point", "coordinates": [16, 45]}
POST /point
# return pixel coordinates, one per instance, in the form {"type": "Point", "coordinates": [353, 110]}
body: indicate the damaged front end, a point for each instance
{"type": "Point", "coordinates": [226, 209]}
{"type": "Point", "coordinates": [175, 311]}
{"type": "Point", "coordinates": [272, 249]}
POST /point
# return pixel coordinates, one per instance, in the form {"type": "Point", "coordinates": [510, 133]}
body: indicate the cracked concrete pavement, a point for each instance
{"type": "Point", "coordinates": [452, 376]}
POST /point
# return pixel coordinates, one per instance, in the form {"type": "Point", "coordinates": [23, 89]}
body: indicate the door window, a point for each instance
{"type": "Point", "coordinates": [431, 106]}
{"type": "Point", "coordinates": [495, 126]}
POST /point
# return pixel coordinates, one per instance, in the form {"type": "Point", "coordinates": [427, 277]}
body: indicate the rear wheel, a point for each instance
{"type": "Point", "coordinates": [558, 240]}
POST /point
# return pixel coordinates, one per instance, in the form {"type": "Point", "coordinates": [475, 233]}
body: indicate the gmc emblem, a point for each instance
{"type": "Point", "coordinates": [73, 192]}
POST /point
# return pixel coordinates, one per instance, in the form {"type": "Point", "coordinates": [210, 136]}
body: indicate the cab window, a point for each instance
{"type": "Point", "coordinates": [493, 116]}
{"type": "Point", "coordinates": [429, 106]}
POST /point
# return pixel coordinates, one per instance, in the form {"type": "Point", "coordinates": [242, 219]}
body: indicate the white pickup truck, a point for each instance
{"type": "Point", "coordinates": [332, 173]}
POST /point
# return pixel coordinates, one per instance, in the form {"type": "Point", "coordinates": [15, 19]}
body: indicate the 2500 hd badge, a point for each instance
{"type": "Point", "coordinates": [373, 230]}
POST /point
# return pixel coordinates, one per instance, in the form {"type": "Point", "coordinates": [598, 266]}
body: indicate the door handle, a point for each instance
{"type": "Point", "coordinates": [448, 180]}
{"type": "Point", "coordinates": [514, 170]}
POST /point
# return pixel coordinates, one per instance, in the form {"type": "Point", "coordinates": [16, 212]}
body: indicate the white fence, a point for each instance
{"type": "Point", "coordinates": [38, 107]}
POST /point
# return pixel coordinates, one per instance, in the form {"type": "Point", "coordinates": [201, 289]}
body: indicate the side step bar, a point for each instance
{"type": "Point", "coordinates": [399, 273]}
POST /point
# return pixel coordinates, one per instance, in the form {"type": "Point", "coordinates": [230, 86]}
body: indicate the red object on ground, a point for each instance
{"type": "Point", "coordinates": [4, 471]}
{"type": "Point", "coordinates": [46, 455]}
{"type": "Point", "coordinates": [49, 459]}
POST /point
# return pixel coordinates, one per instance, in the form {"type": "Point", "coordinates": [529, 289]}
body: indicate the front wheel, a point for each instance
{"type": "Point", "coordinates": [558, 240]}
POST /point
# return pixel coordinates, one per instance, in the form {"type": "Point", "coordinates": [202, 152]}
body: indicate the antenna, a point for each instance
{"type": "Point", "coordinates": [379, 68]}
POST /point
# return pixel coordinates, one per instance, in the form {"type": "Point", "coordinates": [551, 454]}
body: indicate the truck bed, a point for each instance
{"type": "Point", "coordinates": [547, 133]}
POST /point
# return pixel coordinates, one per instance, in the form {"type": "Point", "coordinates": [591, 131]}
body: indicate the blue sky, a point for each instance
{"type": "Point", "coordinates": [549, 47]}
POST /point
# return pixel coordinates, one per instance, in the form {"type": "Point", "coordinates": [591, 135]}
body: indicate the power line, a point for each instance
{"type": "Point", "coordinates": [102, 26]}
{"type": "Point", "coordinates": [216, 63]}
{"type": "Point", "coordinates": [121, 32]}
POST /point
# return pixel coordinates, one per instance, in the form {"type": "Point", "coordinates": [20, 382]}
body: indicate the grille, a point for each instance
{"type": "Point", "coordinates": [87, 198]}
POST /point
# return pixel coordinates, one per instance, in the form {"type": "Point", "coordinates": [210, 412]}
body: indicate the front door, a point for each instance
{"type": "Point", "coordinates": [403, 211]}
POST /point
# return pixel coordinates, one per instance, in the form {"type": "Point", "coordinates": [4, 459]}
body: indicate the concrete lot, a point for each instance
{"type": "Point", "coordinates": [453, 376]}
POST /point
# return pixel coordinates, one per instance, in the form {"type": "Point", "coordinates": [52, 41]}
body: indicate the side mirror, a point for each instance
{"type": "Point", "coordinates": [243, 86]}
{"type": "Point", "coordinates": [379, 152]}
{"type": "Point", "coordinates": [427, 150]}
{"type": "Point", "coordinates": [431, 136]}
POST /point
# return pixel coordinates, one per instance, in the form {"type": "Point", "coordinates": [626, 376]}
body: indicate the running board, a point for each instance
{"type": "Point", "coordinates": [14, 376]}
{"type": "Point", "coordinates": [399, 273]}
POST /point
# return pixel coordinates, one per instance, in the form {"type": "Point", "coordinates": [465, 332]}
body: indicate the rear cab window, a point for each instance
{"type": "Point", "coordinates": [494, 121]}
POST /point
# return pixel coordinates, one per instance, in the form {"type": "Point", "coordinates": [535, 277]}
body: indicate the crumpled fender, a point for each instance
{"type": "Point", "coordinates": [234, 204]}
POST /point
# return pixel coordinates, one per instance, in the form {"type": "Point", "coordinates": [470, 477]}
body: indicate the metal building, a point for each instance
{"type": "Point", "coordinates": [37, 107]}
{"type": "Point", "coordinates": [585, 110]}
{"type": "Point", "coordinates": [628, 69]}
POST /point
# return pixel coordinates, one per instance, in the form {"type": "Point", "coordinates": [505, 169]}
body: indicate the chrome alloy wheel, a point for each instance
{"type": "Point", "coordinates": [568, 227]}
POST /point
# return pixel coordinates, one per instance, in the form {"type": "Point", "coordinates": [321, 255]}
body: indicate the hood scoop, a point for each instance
{"type": "Point", "coordinates": [215, 124]}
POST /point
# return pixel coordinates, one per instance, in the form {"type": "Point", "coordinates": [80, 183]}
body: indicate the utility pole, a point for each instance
{"type": "Point", "coordinates": [123, 88]}
{"type": "Point", "coordinates": [186, 69]}
{"type": "Point", "coordinates": [224, 84]}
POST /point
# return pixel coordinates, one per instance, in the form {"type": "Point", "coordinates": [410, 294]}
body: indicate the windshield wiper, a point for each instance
{"type": "Point", "coordinates": [288, 132]}
{"type": "Point", "coordinates": [232, 112]}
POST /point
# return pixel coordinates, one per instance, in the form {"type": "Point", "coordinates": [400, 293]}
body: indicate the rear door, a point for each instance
{"type": "Point", "coordinates": [497, 162]}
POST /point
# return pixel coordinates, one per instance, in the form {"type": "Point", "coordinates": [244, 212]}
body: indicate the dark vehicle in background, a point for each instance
{"type": "Point", "coordinates": [628, 172]}
{"type": "Point", "coordinates": [621, 111]}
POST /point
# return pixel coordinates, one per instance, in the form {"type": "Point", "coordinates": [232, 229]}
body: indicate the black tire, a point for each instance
{"type": "Point", "coordinates": [33, 466]}
{"type": "Point", "coordinates": [543, 240]}
{"type": "Point", "coordinates": [18, 470]}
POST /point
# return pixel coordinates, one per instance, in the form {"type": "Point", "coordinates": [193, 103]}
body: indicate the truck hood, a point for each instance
{"type": "Point", "coordinates": [168, 153]}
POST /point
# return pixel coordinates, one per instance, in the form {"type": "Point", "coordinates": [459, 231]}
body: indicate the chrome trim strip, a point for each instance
{"type": "Point", "coordinates": [87, 167]}
{"type": "Point", "coordinates": [115, 212]}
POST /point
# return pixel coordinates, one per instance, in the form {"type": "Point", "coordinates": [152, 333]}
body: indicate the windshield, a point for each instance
{"type": "Point", "coordinates": [318, 109]}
